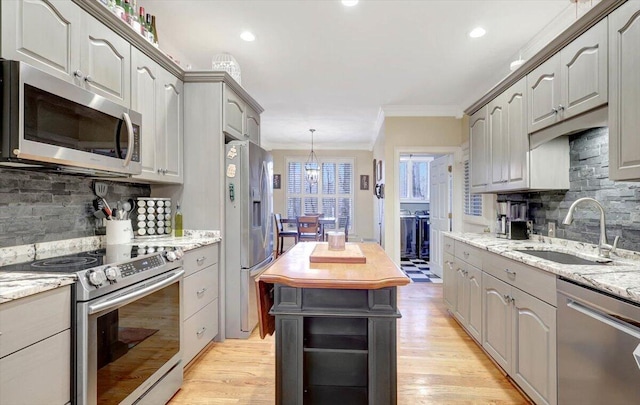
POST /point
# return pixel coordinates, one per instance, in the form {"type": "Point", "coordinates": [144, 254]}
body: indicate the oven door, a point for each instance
{"type": "Point", "coordinates": [129, 341]}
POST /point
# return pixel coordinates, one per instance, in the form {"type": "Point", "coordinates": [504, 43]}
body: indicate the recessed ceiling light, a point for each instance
{"type": "Point", "coordinates": [349, 3]}
{"type": "Point", "coordinates": [248, 36]}
{"type": "Point", "coordinates": [477, 32]}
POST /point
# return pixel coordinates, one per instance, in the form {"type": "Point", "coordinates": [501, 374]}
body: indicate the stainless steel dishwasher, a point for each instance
{"type": "Point", "coordinates": [598, 338]}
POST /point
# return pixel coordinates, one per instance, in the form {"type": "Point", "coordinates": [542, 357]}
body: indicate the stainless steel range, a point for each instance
{"type": "Point", "coordinates": [127, 323]}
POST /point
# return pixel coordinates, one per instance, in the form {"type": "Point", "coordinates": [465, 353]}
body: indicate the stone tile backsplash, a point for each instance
{"type": "Point", "coordinates": [43, 207]}
{"type": "Point", "coordinates": [589, 172]}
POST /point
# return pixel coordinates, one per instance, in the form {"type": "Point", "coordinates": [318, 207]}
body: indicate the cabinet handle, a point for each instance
{"type": "Point", "coordinates": [448, 245]}
{"type": "Point", "coordinates": [201, 260]}
{"type": "Point", "coordinates": [560, 107]}
{"type": "Point", "coordinates": [88, 79]}
{"type": "Point", "coordinates": [510, 272]}
{"type": "Point", "coordinates": [466, 254]}
{"type": "Point", "coordinates": [201, 331]}
{"type": "Point", "coordinates": [200, 292]}
{"type": "Point", "coordinates": [509, 298]}
{"type": "Point", "coordinates": [78, 74]}
{"type": "Point", "coordinates": [554, 110]}
{"type": "Point", "coordinates": [164, 171]}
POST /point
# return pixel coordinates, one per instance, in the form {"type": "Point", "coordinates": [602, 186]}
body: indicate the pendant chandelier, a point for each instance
{"type": "Point", "coordinates": [312, 168]}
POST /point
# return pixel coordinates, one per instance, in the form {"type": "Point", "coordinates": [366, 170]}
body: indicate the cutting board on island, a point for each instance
{"type": "Point", "coordinates": [351, 254]}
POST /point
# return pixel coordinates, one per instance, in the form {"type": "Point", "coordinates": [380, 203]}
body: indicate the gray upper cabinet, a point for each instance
{"type": "Point", "coordinates": [571, 82]}
{"type": "Point", "coordinates": [157, 95]}
{"type": "Point", "coordinates": [58, 38]}
{"type": "Point", "coordinates": [234, 114]}
{"type": "Point", "coordinates": [44, 34]}
{"type": "Point", "coordinates": [104, 62]}
{"type": "Point", "coordinates": [479, 151]}
{"type": "Point", "coordinates": [240, 121]}
{"type": "Point", "coordinates": [518, 140]}
{"type": "Point", "coordinates": [543, 88]}
{"type": "Point", "coordinates": [498, 140]}
{"type": "Point", "coordinates": [253, 126]}
{"type": "Point", "coordinates": [584, 72]}
{"type": "Point", "coordinates": [624, 87]}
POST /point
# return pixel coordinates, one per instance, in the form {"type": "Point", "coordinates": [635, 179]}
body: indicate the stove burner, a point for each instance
{"type": "Point", "coordinates": [99, 252]}
{"type": "Point", "coordinates": [64, 262]}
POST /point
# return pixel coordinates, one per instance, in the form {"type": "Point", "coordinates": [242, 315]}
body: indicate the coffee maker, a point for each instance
{"type": "Point", "coordinates": [511, 221]}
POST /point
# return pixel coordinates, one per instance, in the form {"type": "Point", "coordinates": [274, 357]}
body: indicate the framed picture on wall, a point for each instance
{"type": "Point", "coordinates": [379, 171]}
{"type": "Point", "coordinates": [364, 182]}
{"type": "Point", "coordinates": [375, 176]}
{"type": "Point", "coordinates": [277, 181]}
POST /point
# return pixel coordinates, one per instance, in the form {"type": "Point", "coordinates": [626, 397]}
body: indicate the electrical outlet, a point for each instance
{"type": "Point", "coordinates": [551, 229]}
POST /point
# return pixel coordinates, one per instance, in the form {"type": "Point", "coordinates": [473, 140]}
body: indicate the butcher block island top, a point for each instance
{"type": "Point", "coordinates": [295, 269]}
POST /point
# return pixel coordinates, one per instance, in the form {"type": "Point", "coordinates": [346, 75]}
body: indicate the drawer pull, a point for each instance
{"type": "Point", "coordinates": [200, 292]}
{"type": "Point", "coordinates": [201, 260]}
{"type": "Point", "coordinates": [466, 254]}
{"type": "Point", "coordinates": [510, 272]}
{"type": "Point", "coordinates": [448, 245]}
{"type": "Point", "coordinates": [201, 331]}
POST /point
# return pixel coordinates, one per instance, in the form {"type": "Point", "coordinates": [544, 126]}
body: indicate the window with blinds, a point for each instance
{"type": "Point", "coordinates": [472, 202]}
{"type": "Point", "coordinates": [332, 195]}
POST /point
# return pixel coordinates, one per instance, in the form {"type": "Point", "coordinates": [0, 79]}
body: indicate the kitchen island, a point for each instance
{"type": "Point", "coordinates": [335, 326]}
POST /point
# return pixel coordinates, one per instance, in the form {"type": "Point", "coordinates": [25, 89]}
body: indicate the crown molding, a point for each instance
{"type": "Point", "coordinates": [422, 111]}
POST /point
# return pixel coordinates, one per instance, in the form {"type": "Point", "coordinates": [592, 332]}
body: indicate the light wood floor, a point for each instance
{"type": "Point", "coordinates": [438, 363]}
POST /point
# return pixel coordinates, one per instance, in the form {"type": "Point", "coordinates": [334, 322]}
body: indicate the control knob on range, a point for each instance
{"type": "Point", "coordinates": [171, 256]}
{"type": "Point", "coordinates": [97, 277]}
{"type": "Point", "coordinates": [179, 253]}
{"type": "Point", "coordinates": [112, 273]}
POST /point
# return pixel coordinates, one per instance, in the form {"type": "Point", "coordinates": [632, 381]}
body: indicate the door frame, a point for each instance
{"type": "Point", "coordinates": [392, 201]}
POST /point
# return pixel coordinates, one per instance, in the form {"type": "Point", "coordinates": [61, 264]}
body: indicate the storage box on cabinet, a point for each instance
{"type": "Point", "coordinates": [35, 346]}
{"type": "Point", "coordinates": [61, 39]}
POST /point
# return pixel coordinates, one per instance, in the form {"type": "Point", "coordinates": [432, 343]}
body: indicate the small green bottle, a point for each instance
{"type": "Point", "coordinates": [177, 226]}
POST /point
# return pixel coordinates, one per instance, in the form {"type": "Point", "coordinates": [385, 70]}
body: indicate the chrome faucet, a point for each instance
{"type": "Point", "coordinates": [604, 248]}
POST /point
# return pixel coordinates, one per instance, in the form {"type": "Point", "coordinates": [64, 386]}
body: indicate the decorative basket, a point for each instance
{"type": "Point", "coordinates": [227, 63]}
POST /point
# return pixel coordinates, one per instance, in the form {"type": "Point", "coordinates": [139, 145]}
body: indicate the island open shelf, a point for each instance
{"type": "Point", "coordinates": [335, 327]}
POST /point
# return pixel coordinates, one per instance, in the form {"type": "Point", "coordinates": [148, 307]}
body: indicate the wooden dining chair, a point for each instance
{"type": "Point", "coordinates": [282, 233]}
{"type": "Point", "coordinates": [308, 228]}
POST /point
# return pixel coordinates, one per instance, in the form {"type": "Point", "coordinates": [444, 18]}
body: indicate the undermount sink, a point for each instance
{"type": "Point", "coordinates": [563, 258]}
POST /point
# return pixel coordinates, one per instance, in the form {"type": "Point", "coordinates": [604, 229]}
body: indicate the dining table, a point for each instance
{"type": "Point", "coordinates": [323, 221]}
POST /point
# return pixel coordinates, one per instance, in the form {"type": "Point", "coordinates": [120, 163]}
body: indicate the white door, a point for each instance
{"type": "Point", "coordinates": [439, 209]}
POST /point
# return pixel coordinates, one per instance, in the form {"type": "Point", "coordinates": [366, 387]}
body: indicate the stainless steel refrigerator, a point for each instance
{"type": "Point", "coordinates": [248, 231]}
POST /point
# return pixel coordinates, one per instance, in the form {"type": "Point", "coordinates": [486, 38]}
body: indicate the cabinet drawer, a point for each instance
{"type": "Point", "coordinates": [199, 289]}
{"type": "Point", "coordinates": [539, 283]}
{"type": "Point", "coordinates": [199, 330]}
{"type": "Point", "coordinates": [469, 254]}
{"type": "Point", "coordinates": [39, 374]}
{"type": "Point", "coordinates": [448, 245]}
{"type": "Point", "coordinates": [28, 320]}
{"type": "Point", "coordinates": [200, 258]}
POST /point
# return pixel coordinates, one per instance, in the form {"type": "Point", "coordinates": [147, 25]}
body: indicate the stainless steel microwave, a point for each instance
{"type": "Point", "coordinates": [50, 123]}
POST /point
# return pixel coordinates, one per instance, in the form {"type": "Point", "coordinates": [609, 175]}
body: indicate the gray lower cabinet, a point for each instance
{"type": "Point", "coordinates": [519, 333]}
{"type": "Point", "coordinates": [200, 300]}
{"type": "Point", "coordinates": [624, 87]}
{"type": "Point", "coordinates": [35, 349]}
{"type": "Point", "coordinates": [510, 309]}
{"type": "Point", "coordinates": [335, 346]}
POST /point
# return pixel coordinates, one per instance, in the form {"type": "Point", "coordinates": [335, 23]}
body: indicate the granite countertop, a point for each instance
{"type": "Point", "coordinates": [620, 276]}
{"type": "Point", "coordinates": [14, 285]}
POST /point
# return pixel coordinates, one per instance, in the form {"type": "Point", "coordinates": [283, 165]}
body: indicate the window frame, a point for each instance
{"type": "Point", "coordinates": [319, 195]}
{"type": "Point", "coordinates": [481, 218]}
{"type": "Point", "coordinates": [409, 179]}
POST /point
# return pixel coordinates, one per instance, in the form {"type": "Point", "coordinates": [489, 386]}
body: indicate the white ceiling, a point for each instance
{"type": "Point", "coordinates": [318, 64]}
